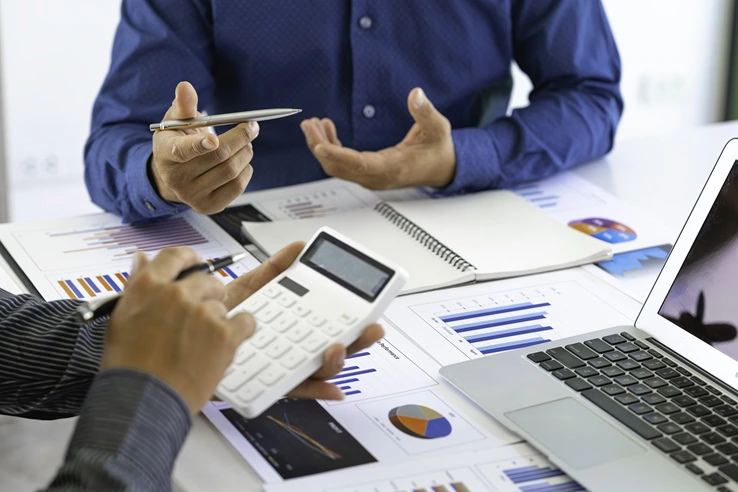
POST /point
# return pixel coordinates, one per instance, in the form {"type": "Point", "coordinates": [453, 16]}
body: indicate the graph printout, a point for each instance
{"type": "Point", "coordinates": [493, 317]}
{"type": "Point", "coordinates": [395, 409]}
{"type": "Point", "coordinates": [90, 256]}
{"type": "Point", "coordinates": [515, 468]}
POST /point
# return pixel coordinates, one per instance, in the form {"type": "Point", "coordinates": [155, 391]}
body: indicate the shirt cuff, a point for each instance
{"type": "Point", "coordinates": [133, 425]}
{"type": "Point", "coordinates": [144, 198]}
{"type": "Point", "coordinates": [477, 163]}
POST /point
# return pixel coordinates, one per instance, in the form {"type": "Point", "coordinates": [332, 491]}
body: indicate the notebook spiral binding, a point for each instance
{"type": "Point", "coordinates": [423, 237]}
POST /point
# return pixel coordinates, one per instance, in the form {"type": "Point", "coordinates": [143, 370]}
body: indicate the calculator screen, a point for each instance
{"type": "Point", "coordinates": [348, 267]}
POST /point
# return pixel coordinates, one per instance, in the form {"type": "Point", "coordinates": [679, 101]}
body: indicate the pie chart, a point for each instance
{"type": "Point", "coordinates": [420, 421]}
{"type": "Point", "coordinates": [604, 229]}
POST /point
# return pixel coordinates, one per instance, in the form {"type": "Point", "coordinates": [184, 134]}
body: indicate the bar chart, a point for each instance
{"type": "Point", "coordinates": [455, 480]}
{"type": "Point", "coordinates": [316, 204]}
{"type": "Point", "coordinates": [528, 474]}
{"type": "Point", "coordinates": [384, 369]}
{"type": "Point", "coordinates": [479, 320]}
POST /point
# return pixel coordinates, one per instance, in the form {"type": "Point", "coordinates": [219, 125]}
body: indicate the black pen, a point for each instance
{"type": "Point", "coordinates": [89, 312]}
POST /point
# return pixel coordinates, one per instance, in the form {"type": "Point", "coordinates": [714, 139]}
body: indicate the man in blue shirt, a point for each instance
{"type": "Point", "coordinates": [358, 65]}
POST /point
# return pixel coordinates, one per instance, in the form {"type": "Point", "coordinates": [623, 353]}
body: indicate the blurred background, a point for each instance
{"type": "Point", "coordinates": [677, 72]}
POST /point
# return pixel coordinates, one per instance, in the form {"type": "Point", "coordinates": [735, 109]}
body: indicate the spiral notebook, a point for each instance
{"type": "Point", "coordinates": [450, 241]}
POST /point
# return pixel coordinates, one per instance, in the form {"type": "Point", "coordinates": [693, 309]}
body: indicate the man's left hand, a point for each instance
{"type": "Point", "coordinates": [425, 157]}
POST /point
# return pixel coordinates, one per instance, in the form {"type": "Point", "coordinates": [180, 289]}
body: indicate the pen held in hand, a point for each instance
{"type": "Point", "coordinates": [88, 312]}
{"type": "Point", "coordinates": [224, 119]}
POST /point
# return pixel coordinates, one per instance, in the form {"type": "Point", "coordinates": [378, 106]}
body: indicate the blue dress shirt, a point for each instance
{"type": "Point", "coordinates": [355, 62]}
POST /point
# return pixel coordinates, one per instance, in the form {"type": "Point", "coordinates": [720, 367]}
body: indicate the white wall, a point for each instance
{"type": "Point", "coordinates": [55, 53]}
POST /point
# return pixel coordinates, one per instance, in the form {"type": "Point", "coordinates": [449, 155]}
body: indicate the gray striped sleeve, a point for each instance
{"type": "Point", "coordinates": [129, 433]}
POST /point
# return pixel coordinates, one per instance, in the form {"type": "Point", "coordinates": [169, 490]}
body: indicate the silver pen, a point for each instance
{"type": "Point", "coordinates": [225, 119]}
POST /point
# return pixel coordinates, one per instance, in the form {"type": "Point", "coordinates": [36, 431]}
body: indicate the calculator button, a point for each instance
{"type": "Point", "coordinates": [233, 381]}
{"type": "Point", "coordinates": [284, 323]}
{"type": "Point", "coordinates": [301, 310]}
{"type": "Point", "coordinates": [253, 367]}
{"type": "Point", "coordinates": [263, 338]}
{"type": "Point", "coordinates": [347, 319]}
{"type": "Point", "coordinates": [286, 301]}
{"type": "Point", "coordinates": [278, 349]}
{"type": "Point", "coordinates": [316, 320]}
{"type": "Point", "coordinates": [271, 292]}
{"type": "Point", "coordinates": [244, 354]}
{"type": "Point", "coordinates": [271, 376]}
{"type": "Point", "coordinates": [268, 314]}
{"type": "Point", "coordinates": [253, 304]}
{"type": "Point", "coordinates": [332, 330]}
{"type": "Point", "coordinates": [293, 359]}
{"type": "Point", "coordinates": [249, 393]}
{"type": "Point", "coordinates": [298, 333]}
{"type": "Point", "coordinates": [314, 343]}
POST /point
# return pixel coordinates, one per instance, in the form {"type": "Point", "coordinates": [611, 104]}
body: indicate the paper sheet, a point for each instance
{"type": "Point", "coordinates": [389, 388]}
{"type": "Point", "coordinates": [504, 469]}
{"type": "Point", "coordinates": [593, 211]}
{"type": "Point", "coordinates": [90, 256]}
{"type": "Point", "coordinates": [468, 322]}
{"type": "Point", "coordinates": [8, 281]}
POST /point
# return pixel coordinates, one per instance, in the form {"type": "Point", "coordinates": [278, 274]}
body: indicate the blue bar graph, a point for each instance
{"type": "Point", "coordinates": [523, 330]}
{"type": "Point", "coordinates": [356, 356]}
{"type": "Point", "coordinates": [125, 274]}
{"type": "Point", "coordinates": [92, 285]}
{"type": "Point", "coordinates": [479, 313]}
{"type": "Point", "coordinates": [530, 473]}
{"type": "Point", "coordinates": [230, 272]}
{"type": "Point", "coordinates": [352, 374]}
{"type": "Point", "coordinates": [350, 368]}
{"type": "Point", "coordinates": [492, 323]}
{"type": "Point", "coordinates": [543, 199]}
{"type": "Point", "coordinates": [349, 393]}
{"type": "Point", "coordinates": [344, 388]}
{"type": "Point", "coordinates": [546, 487]}
{"type": "Point", "coordinates": [345, 381]}
{"type": "Point", "coordinates": [111, 283]}
{"type": "Point", "coordinates": [74, 289]}
{"type": "Point", "coordinates": [502, 347]}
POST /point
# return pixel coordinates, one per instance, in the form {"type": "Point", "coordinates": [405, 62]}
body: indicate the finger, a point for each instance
{"type": "Point", "coordinates": [184, 105]}
{"type": "Point", "coordinates": [333, 361]}
{"type": "Point", "coordinates": [244, 286]}
{"type": "Point", "coordinates": [220, 198]}
{"type": "Point", "coordinates": [371, 335]}
{"type": "Point", "coordinates": [230, 143]}
{"type": "Point", "coordinates": [171, 261]}
{"type": "Point", "coordinates": [316, 390]}
{"type": "Point", "coordinates": [330, 130]}
{"type": "Point", "coordinates": [242, 327]}
{"type": "Point", "coordinates": [312, 136]}
{"type": "Point", "coordinates": [426, 115]}
{"type": "Point", "coordinates": [202, 286]}
{"type": "Point", "coordinates": [140, 260]}
{"type": "Point", "coordinates": [226, 171]}
{"type": "Point", "coordinates": [185, 147]}
{"type": "Point", "coordinates": [342, 161]}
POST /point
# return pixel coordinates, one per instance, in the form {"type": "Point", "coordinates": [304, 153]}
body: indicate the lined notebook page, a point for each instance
{"type": "Point", "coordinates": [369, 228]}
{"type": "Point", "coordinates": [501, 234]}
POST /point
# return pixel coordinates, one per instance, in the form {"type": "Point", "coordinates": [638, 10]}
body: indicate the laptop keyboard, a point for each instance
{"type": "Point", "coordinates": [657, 398]}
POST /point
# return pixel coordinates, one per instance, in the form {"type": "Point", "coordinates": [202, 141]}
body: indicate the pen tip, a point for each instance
{"type": "Point", "coordinates": [238, 257]}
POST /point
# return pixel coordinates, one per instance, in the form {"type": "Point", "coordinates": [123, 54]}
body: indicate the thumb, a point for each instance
{"type": "Point", "coordinates": [425, 114]}
{"type": "Point", "coordinates": [184, 106]}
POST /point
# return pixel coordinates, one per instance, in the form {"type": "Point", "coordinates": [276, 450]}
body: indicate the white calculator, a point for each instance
{"type": "Point", "coordinates": [333, 290]}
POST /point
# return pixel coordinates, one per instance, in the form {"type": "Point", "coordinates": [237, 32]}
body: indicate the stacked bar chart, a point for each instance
{"type": "Point", "coordinates": [351, 374]}
{"type": "Point", "coordinates": [535, 478]}
{"type": "Point", "coordinates": [538, 196]}
{"type": "Point", "coordinates": [316, 204]}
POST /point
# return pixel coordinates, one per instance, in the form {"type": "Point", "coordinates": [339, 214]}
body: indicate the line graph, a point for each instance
{"type": "Point", "coordinates": [302, 437]}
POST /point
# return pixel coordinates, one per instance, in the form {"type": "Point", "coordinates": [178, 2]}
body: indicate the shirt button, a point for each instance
{"type": "Point", "coordinates": [149, 205]}
{"type": "Point", "coordinates": [369, 111]}
{"type": "Point", "coordinates": [365, 22]}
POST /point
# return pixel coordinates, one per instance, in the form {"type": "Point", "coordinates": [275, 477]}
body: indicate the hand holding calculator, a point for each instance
{"type": "Point", "coordinates": [332, 291]}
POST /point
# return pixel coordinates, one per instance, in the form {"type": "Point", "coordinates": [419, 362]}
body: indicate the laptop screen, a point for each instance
{"type": "Point", "coordinates": [704, 297]}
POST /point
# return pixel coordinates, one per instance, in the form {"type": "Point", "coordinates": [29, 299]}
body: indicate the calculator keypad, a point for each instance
{"type": "Point", "coordinates": [288, 333]}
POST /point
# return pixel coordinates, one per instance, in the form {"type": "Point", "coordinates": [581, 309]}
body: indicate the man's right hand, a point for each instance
{"type": "Point", "coordinates": [176, 331]}
{"type": "Point", "coordinates": [196, 167]}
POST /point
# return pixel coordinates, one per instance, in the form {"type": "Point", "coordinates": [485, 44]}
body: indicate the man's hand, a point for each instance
{"type": "Point", "coordinates": [333, 358]}
{"type": "Point", "coordinates": [176, 331]}
{"type": "Point", "coordinates": [425, 157]}
{"type": "Point", "coordinates": [196, 167]}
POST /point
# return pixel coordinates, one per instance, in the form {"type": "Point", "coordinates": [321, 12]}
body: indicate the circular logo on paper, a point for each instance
{"type": "Point", "coordinates": [420, 421]}
{"type": "Point", "coordinates": [605, 230]}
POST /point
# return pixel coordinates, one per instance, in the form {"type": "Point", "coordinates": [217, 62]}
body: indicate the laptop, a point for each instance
{"type": "Point", "coordinates": [647, 407]}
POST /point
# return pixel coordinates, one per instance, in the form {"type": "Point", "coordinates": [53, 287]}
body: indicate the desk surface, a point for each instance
{"type": "Point", "coordinates": [660, 175]}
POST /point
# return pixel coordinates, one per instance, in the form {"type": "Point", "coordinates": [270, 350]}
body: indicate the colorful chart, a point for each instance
{"type": "Point", "coordinates": [420, 421]}
{"type": "Point", "coordinates": [604, 229]}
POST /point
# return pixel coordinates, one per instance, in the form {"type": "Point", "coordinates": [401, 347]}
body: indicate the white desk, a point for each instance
{"type": "Point", "coordinates": [662, 176]}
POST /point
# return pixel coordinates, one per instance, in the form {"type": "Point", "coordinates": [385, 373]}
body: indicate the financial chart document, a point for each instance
{"type": "Point", "coordinates": [90, 256]}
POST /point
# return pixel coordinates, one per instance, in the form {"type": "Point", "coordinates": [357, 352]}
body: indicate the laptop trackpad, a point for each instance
{"type": "Point", "coordinates": [574, 434]}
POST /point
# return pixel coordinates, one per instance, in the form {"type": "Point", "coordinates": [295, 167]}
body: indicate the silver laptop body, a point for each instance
{"type": "Point", "coordinates": [639, 426]}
